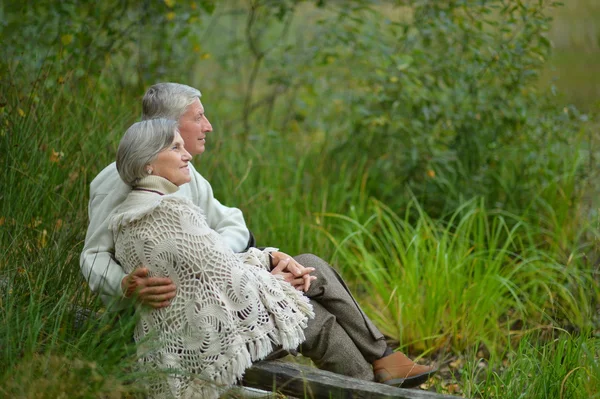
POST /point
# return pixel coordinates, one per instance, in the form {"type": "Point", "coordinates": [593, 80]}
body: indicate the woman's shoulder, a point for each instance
{"type": "Point", "coordinates": [178, 203]}
{"type": "Point", "coordinates": [183, 209]}
{"type": "Point", "coordinates": [138, 206]}
{"type": "Point", "coordinates": [141, 206]}
{"type": "Point", "coordinates": [176, 209]}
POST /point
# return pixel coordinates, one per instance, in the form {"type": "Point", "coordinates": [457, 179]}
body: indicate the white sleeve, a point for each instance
{"type": "Point", "coordinates": [228, 222]}
{"type": "Point", "coordinates": [97, 263]}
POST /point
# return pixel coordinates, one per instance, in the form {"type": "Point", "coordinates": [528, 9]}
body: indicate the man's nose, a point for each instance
{"type": "Point", "coordinates": [207, 126]}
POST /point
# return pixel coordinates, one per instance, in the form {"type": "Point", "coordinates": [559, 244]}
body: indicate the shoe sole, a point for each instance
{"type": "Point", "coordinates": [410, 382]}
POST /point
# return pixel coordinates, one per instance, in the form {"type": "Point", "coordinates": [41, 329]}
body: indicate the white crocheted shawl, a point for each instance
{"type": "Point", "coordinates": [229, 310]}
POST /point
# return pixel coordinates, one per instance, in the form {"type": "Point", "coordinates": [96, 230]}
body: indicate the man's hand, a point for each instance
{"type": "Point", "coordinates": [293, 272]}
{"type": "Point", "coordinates": [155, 292]}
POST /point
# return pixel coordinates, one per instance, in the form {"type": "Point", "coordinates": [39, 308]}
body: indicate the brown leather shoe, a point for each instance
{"type": "Point", "coordinates": [397, 369]}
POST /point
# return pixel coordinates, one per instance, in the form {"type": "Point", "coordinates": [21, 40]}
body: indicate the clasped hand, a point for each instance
{"type": "Point", "coordinates": [292, 272]}
{"type": "Point", "coordinates": [155, 292]}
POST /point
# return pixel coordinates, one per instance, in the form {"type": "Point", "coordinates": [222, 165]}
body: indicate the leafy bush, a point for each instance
{"type": "Point", "coordinates": [442, 97]}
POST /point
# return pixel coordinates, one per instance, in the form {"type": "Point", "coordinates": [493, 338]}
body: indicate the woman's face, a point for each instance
{"type": "Point", "coordinates": [172, 163]}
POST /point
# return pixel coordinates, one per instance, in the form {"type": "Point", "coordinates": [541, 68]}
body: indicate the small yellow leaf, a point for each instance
{"type": "Point", "coordinates": [66, 39]}
{"type": "Point", "coordinates": [453, 388]}
{"type": "Point", "coordinates": [170, 16]}
{"type": "Point", "coordinates": [21, 112]}
{"type": "Point", "coordinates": [170, 3]}
{"type": "Point", "coordinates": [431, 173]}
{"type": "Point", "coordinates": [73, 176]}
{"type": "Point", "coordinates": [393, 79]}
{"type": "Point", "coordinates": [56, 156]}
{"type": "Point", "coordinates": [43, 240]}
{"type": "Point", "coordinates": [35, 222]}
{"type": "Point", "coordinates": [205, 56]}
{"type": "Point", "coordinates": [456, 364]}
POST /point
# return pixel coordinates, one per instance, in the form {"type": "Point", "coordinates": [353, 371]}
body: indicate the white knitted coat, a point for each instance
{"type": "Point", "coordinates": [229, 309]}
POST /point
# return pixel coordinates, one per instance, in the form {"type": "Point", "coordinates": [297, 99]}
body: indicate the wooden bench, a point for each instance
{"type": "Point", "coordinates": [308, 382]}
{"type": "Point", "coordinates": [302, 381]}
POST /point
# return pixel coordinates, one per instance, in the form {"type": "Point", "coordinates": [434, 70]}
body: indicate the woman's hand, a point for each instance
{"type": "Point", "coordinates": [155, 292]}
{"type": "Point", "coordinates": [293, 272]}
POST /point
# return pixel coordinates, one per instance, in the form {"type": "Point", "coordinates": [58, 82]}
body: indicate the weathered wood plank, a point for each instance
{"type": "Point", "coordinates": [307, 382]}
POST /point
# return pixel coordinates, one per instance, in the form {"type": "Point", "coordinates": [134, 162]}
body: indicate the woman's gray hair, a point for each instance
{"type": "Point", "coordinates": [168, 100]}
{"type": "Point", "coordinates": [140, 145]}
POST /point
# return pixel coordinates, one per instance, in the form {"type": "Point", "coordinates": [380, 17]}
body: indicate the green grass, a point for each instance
{"type": "Point", "coordinates": [565, 366]}
{"type": "Point", "coordinates": [443, 286]}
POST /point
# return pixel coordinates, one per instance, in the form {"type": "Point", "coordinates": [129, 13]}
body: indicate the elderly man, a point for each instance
{"type": "Point", "coordinates": [340, 338]}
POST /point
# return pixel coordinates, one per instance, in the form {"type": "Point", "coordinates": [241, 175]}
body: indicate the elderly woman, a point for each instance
{"type": "Point", "coordinates": [229, 310]}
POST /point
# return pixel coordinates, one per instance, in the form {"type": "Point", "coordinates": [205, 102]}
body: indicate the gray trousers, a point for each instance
{"type": "Point", "coordinates": [340, 338]}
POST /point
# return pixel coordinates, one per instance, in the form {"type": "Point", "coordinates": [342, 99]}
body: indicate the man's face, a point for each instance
{"type": "Point", "coordinates": [193, 127]}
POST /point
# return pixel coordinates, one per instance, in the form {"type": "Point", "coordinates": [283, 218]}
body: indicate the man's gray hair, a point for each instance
{"type": "Point", "coordinates": [140, 145]}
{"type": "Point", "coordinates": [168, 100]}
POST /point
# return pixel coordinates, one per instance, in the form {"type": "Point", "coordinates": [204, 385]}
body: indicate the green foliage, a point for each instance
{"type": "Point", "coordinates": [445, 286]}
{"type": "Point", "coordinates": [53, 344]}
{"type": "Point", "coordinates": [135, 43]}
{"type": "Point", "coordinates": [443, 98]}
{"type": "Point", "coordinates": [318, 107]}
{"type": "Point", "coordinates": [564, 367]}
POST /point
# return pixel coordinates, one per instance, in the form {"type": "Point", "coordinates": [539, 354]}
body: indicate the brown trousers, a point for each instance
{"type": "Point", "coordinates": [340, 338]}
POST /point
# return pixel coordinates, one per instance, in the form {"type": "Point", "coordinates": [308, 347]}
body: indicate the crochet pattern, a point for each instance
{"type": "Point", "coordinates": [229, 310]}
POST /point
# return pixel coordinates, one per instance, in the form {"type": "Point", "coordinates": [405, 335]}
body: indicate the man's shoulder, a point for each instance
{"type": "Point", "coordinates": [106, 181]}
{"type": "Point", "coordinates": [196, 176]}
{"type": "Point", "coordinates": [198, 185]}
